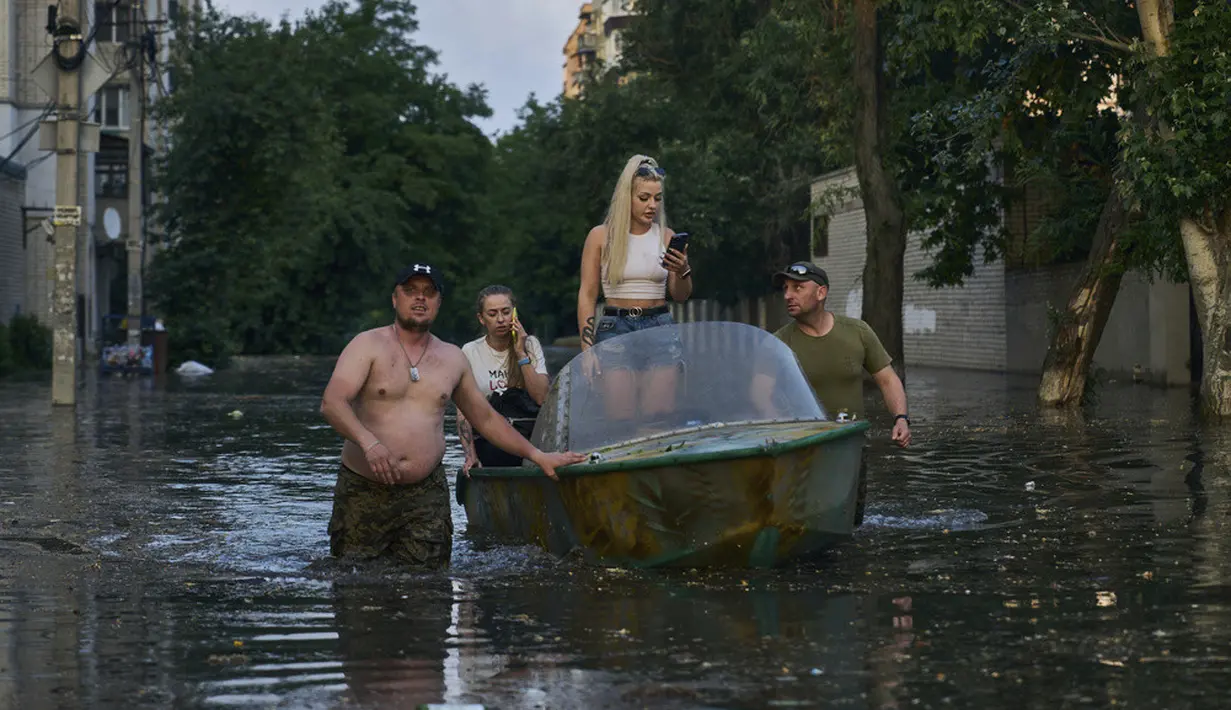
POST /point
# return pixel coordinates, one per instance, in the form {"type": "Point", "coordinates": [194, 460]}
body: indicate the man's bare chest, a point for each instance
{"type": "Point", "coordinates": [391, 380]}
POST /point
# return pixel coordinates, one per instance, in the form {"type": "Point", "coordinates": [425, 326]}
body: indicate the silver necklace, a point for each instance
{"type": "Point", "coordinates": [414, 366]}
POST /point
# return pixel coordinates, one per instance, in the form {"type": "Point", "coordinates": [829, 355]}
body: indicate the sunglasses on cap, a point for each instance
{"type": "Point", "coordinates": [648, 168]}
{"type": "Point", "coordinates": [801, 271]}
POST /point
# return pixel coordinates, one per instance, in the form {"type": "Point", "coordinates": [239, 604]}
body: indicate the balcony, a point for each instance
{"type": "Point", "coordinates": [587, 43]}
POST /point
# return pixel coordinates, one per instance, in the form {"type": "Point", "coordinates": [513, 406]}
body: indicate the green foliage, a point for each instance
{"type": "Point", "coordinates": [1063, 94]}
{"type": "Point", "coordinates": [308, 163]}
{"type": "Point", "coordinates": [310, 160]}
{"type": "Point", "coordinates": [1178, 163]}
{"type": "Point", "coordinates": [25, 344]}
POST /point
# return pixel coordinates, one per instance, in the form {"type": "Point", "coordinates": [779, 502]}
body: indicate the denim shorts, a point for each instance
{"type": "Point", "coordinates": [616, 356]}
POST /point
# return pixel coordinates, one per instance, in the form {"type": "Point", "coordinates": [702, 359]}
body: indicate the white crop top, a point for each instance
{"type": "Point", "coordinates": [645, 279]}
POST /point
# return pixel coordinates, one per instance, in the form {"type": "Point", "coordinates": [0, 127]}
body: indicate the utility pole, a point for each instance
{"type": "Point", "coordinates": [68, 52]}
{"type": "Point", "coordinates": [136, 192]}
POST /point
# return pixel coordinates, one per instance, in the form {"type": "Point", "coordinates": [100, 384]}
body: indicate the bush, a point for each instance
{"type": "Point", "coordinates": [30, 343]}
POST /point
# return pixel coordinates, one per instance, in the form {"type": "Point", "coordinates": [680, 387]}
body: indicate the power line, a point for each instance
{"type": "Point", "coordinates": [46, 112]}
{"type": "Point", "coordinates": [33, 132]}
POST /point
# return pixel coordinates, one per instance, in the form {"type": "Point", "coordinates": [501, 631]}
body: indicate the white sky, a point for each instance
{"type": "Point", "coordinates": [511, 47]}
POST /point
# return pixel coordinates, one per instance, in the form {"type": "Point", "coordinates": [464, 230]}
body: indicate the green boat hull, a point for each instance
{"type": "Point", "coordinates": [751, 495]}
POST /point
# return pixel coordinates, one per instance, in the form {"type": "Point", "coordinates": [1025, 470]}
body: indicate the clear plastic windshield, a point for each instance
{"type": "Point", "coordinates": [673, 377]}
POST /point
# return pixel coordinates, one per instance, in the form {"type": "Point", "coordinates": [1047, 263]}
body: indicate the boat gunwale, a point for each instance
{"type": "Point", "coordinates": [772, 448]}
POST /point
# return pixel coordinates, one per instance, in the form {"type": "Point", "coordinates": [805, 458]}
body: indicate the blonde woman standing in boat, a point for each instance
{"type": "Point", "coordinates": [628, 256]}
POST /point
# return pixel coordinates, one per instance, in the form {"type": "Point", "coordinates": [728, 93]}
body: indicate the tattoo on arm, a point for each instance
{"type": "Point", "coordinates": [587, 333]}
{"type": "Point", "coordinates": [466, 433]}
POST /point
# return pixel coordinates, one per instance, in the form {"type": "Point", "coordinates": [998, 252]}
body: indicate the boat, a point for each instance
{"type": "Point", "coordinates": [744, 468]}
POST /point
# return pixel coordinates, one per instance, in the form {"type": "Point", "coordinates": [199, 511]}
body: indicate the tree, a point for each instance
{"type": "Point", "coordinates": [1169, 163]}
{"type": "Point", "coordinates": [307, 163]}
{"type": "Point", "coordinates": [1177, 163]}
{"type": "Point", "coordinates": [1039, 102]}
{"type": "Point", "coordinates": [882, 201]}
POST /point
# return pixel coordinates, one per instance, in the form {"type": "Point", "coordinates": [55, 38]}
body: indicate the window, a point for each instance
{"type": "Point", "coordinates": [112, 109]}
{"type": "Point", "coordinates": [114, 22]}
{"type": "Point", "coordinates": [820, 236]}
{"type": "Point", "coordinates": [111, 178]}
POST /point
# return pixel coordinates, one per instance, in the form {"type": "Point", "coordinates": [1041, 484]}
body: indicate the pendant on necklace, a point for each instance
{"type": "Point", "coordinates": [414, 374]}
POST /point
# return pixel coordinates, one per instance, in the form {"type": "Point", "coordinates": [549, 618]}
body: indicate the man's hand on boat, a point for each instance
{"type": "Point", "coordinates": [496, 429]}
{"type": "Point", "coordinates": [471, 462]}
{"type": "Point", "coordinates": [550, 462]}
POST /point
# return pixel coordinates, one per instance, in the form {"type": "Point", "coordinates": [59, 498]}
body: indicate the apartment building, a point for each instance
{"type": "Point", "coordinates": [597, 40]}
{"type": "Point", "coordinates": [580, 51]}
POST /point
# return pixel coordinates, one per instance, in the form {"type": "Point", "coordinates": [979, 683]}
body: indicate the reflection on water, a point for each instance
{"type": "Point", "coordinates": [165, 545]}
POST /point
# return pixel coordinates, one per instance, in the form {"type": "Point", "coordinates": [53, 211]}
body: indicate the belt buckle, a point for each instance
{"type": "Point", "coordinates": [635, 311]}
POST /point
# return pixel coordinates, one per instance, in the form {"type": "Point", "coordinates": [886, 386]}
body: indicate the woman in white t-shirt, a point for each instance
{"type": "Point", "coordinates": [508, 366]}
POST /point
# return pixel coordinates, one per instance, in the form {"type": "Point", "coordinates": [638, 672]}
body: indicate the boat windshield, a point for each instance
{"type": "Point", "coordinates": [672, 377]}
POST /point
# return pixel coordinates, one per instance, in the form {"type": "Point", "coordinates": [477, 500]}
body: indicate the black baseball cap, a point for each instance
{"type": "Point", "coordinates": [420, 269]}
{"type": "Point", "coordinates": [802, 271]}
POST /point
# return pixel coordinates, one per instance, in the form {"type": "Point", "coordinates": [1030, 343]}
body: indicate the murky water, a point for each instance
{"type": "Point", "coordinates": [158, 551]}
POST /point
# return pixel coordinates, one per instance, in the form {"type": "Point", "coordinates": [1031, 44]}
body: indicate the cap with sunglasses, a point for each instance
{"type": "Point", "coordinates": [649, 168]}
{"type": "Point", "coordinates": [801, 271]}
{"type": "Point", "coordinates": [427, 270]}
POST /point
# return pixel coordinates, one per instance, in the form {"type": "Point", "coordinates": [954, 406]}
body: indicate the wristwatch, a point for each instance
{"type": "Point", "coordinates": [903, 417]}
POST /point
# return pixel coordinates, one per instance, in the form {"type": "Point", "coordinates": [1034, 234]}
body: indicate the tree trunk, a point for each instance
{"type": "Point", "coordinates": [886, 223]}
{"type": "Point", "coordinates": [1207, 249]}
{"type": "Point", "coordinates": [1081, 326]}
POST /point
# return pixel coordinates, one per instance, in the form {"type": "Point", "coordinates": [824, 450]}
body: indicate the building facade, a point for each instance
{"type": "Point", "coordinates": [1000, 318]}
{"type": "Point", "coordinates": [580, 51]}
{"type": "Point", "coordinates": [596, 41]}
{"type": "Point", "coordinates": [122, 30]}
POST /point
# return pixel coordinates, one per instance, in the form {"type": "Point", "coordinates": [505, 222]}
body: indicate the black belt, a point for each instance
{"type": "Point", "coordinates": [636, 312]}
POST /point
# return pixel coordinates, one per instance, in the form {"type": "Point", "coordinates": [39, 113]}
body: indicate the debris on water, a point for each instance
{"type": "Point", "coordinates": [1147, 575]}
{"type": "Point", "coordinates": [235, 414]}
{"type": "Point", "coordinates": [816, 671]}
{"type": "Point", "coordinates": [192, 367]}
{"type": "Point", "coordinates": [1105, 598]}
{"type": "Point", "coordinates": [1030, 485]}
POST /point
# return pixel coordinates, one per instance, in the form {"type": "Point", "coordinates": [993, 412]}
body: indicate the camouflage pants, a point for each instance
{"type": "Point", "coordinates": [412, 523]}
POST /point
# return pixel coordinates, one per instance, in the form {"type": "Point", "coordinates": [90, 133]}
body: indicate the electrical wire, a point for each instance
{"type": "Point", "coordinates": [17, 149]}
{"type": "Point", "coordinates": [46, 112]}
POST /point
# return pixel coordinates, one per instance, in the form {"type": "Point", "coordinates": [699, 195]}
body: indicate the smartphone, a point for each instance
{"type": "Point", "coordinates": [514, 331]}
{"type": "Point", "coordinates": [679, 240]}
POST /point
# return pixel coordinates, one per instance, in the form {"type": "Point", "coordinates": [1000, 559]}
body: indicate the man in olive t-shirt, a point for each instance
{"type": "Point", "coordinates": [834, 351]}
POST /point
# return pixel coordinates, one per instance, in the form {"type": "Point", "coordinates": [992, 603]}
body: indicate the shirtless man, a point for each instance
{"type": "Point", "coordinates": [387, 398]}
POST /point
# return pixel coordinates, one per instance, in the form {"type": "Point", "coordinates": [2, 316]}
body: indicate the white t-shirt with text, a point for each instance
{"type": "Point", "coordinates": [489, 365]}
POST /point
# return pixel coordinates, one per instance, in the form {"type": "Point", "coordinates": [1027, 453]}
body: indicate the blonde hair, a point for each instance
{"type": "Point", "coordinates": [619, 220]}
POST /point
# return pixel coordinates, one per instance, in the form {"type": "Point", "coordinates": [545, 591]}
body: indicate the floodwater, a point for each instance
{"type": "Point", "coordinates": [157, 551]}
